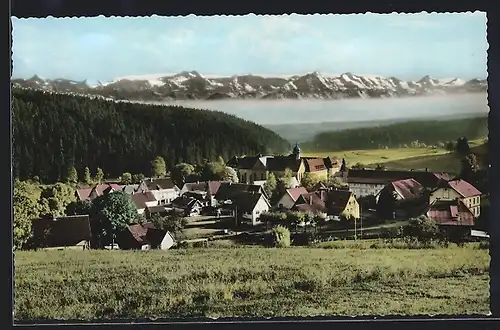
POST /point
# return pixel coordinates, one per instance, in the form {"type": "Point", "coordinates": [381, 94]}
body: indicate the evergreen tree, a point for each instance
{"type": "Point", "coordinates": [469, 168]}
{"type": "Point", "coordinates": [462, 146]}
{"type": "Point", "coordinates": [52, 132]}
{"type": "Point", "coordinates": [99, 176]}
{"type": "Point", "coordinates": [72, 176]}
{"type": "Point", "coordinates": [86, 176]}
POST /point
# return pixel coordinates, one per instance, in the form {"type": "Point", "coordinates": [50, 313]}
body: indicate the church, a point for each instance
{"type": "Point", "coordinates": [255, 169]}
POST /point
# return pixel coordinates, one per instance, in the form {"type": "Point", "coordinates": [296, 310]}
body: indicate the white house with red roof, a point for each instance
{"type": "Point", "coordinates": [458, 190]}
{"type": "Point", "coordinates": [288, 200]}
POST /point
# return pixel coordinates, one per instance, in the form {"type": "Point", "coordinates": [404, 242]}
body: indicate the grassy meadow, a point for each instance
{"type": "Point", "coordinates": [251, 281]}
{"type": "Point", "coordinates": [435, 159]}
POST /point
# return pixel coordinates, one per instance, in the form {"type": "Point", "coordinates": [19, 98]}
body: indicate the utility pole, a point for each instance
{"type": "Point", "coordinates": [361, 218]}
{"type": "Point", "coordinates": [355, 237]}
{"type": "Point", "coordinates": [236, 218]}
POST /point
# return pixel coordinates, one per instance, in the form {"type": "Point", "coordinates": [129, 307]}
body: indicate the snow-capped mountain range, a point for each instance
{"type": "Point", "coordinates": [314, 85]}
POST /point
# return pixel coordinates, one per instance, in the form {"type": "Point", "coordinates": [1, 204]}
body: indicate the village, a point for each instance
{"type": "Point", "coordinates": [316, 198]}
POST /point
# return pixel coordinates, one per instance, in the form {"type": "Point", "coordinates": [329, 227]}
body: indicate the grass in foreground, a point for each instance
{"type": "Point", "coordinates": [250, 282]}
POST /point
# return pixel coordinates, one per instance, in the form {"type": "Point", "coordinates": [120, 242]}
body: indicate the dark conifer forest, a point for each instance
{"type": "Point", "coordinates": [54, 132]}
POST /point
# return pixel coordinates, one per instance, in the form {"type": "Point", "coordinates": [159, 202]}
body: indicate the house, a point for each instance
{"type": "Point", "coordinates": [90, 193]}
{"type": "Point", "coordinates": [135, 188]}
{"type": "Point", "coordinates": [144, 237]}
{"type": "Point", "coordinates": [187, 205]}
{"type": "Point", "coordinates": [407, 195]}
{"type": "Point", "coordinates": [143, 200]}
{"type": "Point", "coordinates": [164, 189]}
{"type": "Point", "coordinates": [252, 169]}
{"type": "Point", "coordinates": [370, 182]}
{"type": "Point", "coordinates": [452, 216]}
{"type": "Point", "coordinates": [342, 202]}
{"type": "Point", "coordinates": [63, 232]}
{"type": "Point", "coordinates": [404, 190]}
{"type": "Point", "coordinates": [228, 190]}
{"type": "Point", "coordinates": [458, 190]}
{"type": "Point", "coordinates": [249, 206]}
{"type": "Point", "coordinates": [313, 202]}
{"type": "Point", "coordinates": [287, 201]}
{"type": "Point", "coordinates": [318, 186]}
{"type": "Point", "coordinates": [207, 190]}
{"type": "Point", "coordinates": [161, 210]}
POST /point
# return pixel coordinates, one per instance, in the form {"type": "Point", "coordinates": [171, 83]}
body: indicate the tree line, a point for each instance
{"type": "Point", "coordinates": [418, 133]}
{"type": "Point", "coordinates": [53, 133]}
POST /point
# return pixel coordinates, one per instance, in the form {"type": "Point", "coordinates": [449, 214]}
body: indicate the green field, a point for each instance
{"type": "Point", "coordinates": [435, 159]}
{"type": "Point", "coordinates": [250, 281]}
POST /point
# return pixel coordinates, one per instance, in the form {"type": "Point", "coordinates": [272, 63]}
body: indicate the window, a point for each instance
{"type": "Point", "coordinates": [262, 176]}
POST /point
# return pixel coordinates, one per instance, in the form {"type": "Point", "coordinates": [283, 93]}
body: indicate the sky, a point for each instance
{"type": "Point", "coordinates": [406, 46]}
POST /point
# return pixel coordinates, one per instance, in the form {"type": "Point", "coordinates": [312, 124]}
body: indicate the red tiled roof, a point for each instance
{"type": "Point", "coordinates": [426, 179]}
{"type": "Point", "coordinates": [309, 202]}
{"type": "Point", "coordinates": [408, 188]}
{"type": "Point", "coordinates": [451, 213]}
{"type": "Point", "coordinates": [214, 186]}
{"type": "Point", "coordinates": [314, 164]}
{"type": "Point", "coordinates": [85, 193]}
{"type": "Point", "coordinates": [146, 233]}
{"type": "Point", "coordinates": [464, 188]}
{"type": "Point", "coordinates": [296, 192]}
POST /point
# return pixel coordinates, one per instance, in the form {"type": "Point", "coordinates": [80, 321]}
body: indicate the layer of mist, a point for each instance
{"type": "Point", "coordinates": [277, 112]}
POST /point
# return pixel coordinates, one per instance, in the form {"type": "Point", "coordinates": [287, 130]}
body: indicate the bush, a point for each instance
{"type": "Point", "coordinates": [281, 237]}
{"type": "Point", "coordinates": [304, 239]}
{"type": "Point", "coordinates": [423, 229]}
{"type": "Point", "coordinates": [391, 232]}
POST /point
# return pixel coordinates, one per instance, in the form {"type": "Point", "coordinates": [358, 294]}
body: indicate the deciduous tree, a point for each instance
{"type": "Point", "coordinates": [111, 213]}
{"type": "Point", "coordinates": [180, 172]}
{"type": "Point", "coordinates": [158, 167]}
{"type": "Point", "coordinates": [270, 185]}
{"type": "Point", "coordinates": [126, 178]}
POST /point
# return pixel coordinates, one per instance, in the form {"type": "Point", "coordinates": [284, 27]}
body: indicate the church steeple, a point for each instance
{"type": "Point", "coordinates": [296, 151]}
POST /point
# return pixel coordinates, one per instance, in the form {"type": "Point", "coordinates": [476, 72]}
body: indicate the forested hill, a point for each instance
{"type": "Point", "coordinates": [53, 132]}
{"type": "Point", "coordinates": [428, 132]}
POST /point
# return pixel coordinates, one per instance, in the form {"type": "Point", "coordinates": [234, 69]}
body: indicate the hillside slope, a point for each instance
{"type": "Point", "coordinates": [428, 132]}
{"type": "Point", "coordinates": [52, 132]}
